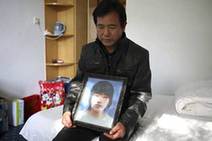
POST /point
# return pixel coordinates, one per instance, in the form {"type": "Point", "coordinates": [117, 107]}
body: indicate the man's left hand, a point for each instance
{"type": "Point", "coordinates": [118, 131]}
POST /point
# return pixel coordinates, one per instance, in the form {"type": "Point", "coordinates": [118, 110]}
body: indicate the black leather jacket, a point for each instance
{"type": "Point", "coordinates": [128, 60]}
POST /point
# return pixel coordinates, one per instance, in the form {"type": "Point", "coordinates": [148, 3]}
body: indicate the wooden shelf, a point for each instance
{"type": "Point", "coordinates": [53, 37]}
{"type": "Point", "coordinates": [72, 13]}
{"type": "Point", "coordinates": [59, 4]}
{"type": "Point", "coordinates": [68, 35]}
{"type": "Point", "coordinates": [59, 64]}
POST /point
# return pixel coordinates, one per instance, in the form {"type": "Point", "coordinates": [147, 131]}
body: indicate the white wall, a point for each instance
{"type": "Point", "coordinates": [22, 47]}
{"type": "Point", "coordinates": [178, 34]}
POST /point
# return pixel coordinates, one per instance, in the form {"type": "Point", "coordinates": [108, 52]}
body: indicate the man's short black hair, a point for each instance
{"type": "Point", "coordinates": [107, 6]}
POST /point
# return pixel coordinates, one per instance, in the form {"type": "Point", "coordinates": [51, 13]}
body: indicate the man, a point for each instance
{"type": "Point", "coordinates": [100, 100]}
{"type": "Point", "coordinates": [112, 54]}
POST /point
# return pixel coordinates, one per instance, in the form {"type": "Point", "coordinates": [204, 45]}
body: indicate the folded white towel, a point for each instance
{"type": "Point", "coordinates": [195, 99]}
{"type": "Point", "coordinates": [196, 106]}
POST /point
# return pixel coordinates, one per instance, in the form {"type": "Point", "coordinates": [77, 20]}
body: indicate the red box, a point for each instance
{"type": "Point", "coordinates": [32, 104]}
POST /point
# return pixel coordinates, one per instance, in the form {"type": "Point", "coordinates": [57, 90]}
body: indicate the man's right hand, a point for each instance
{"type": "Point", "coordinates": [66, 119]}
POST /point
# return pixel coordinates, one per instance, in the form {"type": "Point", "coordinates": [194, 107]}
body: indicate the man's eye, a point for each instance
{"type": "Point", "coordinates": [100, 26]}
{"type": "Point", "coordinates": [108, 26]}
{"type": "Point", "coordinates": [112, 27]}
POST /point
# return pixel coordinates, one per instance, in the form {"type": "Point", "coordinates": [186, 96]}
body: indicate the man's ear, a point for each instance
{"type": "Point", "coordinates": [124, 26]}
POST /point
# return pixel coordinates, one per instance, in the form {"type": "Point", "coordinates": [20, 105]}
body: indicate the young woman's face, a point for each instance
{"type": "Point", "coordinates": [99, 102]}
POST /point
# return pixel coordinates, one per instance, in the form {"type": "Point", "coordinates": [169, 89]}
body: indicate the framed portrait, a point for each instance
{"type": "Point", "coordinates": [99, 103]}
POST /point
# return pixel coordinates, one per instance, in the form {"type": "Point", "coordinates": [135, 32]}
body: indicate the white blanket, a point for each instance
{"type": "Point", "coordinates": [195, 99]}
{"type": "Point", "coordinates": [169, 127]}
{"type": "Point", "coordinates": [160, 123]}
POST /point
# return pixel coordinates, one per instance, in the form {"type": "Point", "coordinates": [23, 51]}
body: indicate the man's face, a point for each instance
{"type": "Point", "coordinates": [109, 29]}
{"type": "Point", "coordinates": [99, 102]}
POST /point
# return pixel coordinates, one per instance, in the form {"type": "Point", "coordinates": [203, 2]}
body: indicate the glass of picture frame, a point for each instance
{"type": "Point", "coordinates": [99, 103]}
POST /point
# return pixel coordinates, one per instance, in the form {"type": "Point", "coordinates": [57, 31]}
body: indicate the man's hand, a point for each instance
{"type": "Point", "coordinates": [66, 119]}
{"type": "Point", "coordinates": [118, 131]}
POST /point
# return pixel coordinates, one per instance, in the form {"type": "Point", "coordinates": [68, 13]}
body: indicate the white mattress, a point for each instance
{"type": "Point", "coordinates": [160, 122]}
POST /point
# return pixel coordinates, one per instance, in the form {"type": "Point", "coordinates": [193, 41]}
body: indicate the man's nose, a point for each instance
{"type": "Point", "coordinates": [106, 31]}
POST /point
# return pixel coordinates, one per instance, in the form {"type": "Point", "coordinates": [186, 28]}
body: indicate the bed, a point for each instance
{"type": "Point", "coordinates": [161, 122]}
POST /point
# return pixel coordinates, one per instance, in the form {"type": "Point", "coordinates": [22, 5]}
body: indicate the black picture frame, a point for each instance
{"type": "Point", "coordinates": [87, 102]}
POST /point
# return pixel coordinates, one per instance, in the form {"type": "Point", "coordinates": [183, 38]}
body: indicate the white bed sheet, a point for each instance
{"type": "Point", "coordinates": [161, 122]}
{"type": "Point", "coordinates": [43, 126]}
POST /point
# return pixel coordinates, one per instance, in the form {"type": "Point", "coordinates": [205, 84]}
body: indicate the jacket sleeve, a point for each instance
{"type": "Point", "coordinates": [139, 95]}
{"type": "Point", "coordinates": [76, 84]}
{"type": "Point", "coordinates": [72, 96]}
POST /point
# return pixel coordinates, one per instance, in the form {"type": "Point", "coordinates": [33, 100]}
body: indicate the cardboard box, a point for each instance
{"type": "Point", "coordinates": [16, 112]}
{"type": "Point", "coordinates": [32, 104]}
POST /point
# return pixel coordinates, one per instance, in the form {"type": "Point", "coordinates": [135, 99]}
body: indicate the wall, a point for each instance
{"type": "Point", "coordinates": [178, 35]}
{"type": "Point", "coordinates": [22, 47]}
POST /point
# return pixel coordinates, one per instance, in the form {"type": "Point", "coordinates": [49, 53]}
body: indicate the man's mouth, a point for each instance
{"type": "Point", "coordinates": [107, 40]}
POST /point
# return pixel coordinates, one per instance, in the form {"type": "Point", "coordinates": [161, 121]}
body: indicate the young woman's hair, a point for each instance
{"type": "Point", "coordinates": [107, 6]}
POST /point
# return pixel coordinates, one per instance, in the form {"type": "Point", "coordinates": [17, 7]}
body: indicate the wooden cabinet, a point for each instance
{"type": "Point", "coordinates": [73, 14]}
